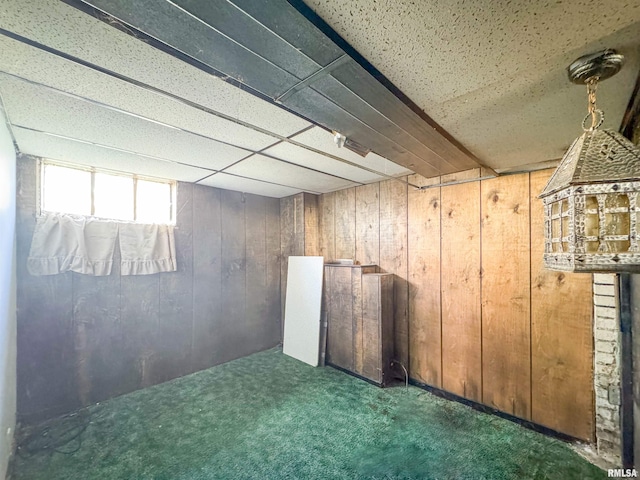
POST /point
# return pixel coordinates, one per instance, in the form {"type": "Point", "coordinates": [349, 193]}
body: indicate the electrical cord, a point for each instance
{"type": "Point", "coordinates": [55, 435]}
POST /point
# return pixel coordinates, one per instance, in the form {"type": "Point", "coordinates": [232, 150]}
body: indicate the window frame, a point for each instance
{"type": "Point", "coordinates": [93, 170]}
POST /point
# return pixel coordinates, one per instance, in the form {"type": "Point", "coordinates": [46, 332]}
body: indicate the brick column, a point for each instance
{"type": "Point", "coordinates": [606, 370]}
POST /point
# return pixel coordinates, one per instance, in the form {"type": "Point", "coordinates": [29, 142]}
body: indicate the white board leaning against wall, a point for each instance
{"type": "Point", "coordinates": [303, 302]}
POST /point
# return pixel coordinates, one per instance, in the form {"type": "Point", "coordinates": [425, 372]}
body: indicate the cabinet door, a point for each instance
{"type": "Point", "coordinates": [340, 318]}
{"type": "Point", "coordinates": [372, 351]}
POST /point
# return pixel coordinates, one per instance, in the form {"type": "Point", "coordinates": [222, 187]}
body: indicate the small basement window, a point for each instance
{"type": "Point", "coordinates": [108, 195]}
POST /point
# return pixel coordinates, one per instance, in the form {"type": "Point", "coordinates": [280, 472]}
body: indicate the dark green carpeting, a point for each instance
{"type": "Point", "coordinates": [268, 416]}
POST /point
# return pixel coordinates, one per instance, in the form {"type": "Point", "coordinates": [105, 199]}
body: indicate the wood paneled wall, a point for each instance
{"type": "Point", "coordinates": [84, 339]}
{"type": "Point", "coordinates": [476, 314]}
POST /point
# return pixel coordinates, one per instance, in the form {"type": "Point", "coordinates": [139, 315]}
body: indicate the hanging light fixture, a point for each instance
{"type": "Point", "coordinates": [591, 202]}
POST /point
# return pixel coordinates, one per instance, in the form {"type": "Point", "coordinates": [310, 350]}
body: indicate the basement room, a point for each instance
{"type": "Point", "coordinates": [319, 239]}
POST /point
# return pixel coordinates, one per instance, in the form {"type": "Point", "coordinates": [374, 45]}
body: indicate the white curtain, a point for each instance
{"type": "Point", "coordinates": [63, 243]}
{"type": "Point", "coordinates": [147, 249]}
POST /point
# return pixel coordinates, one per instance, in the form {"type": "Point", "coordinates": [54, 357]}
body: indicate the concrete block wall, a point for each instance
{"type": "Point", "coordinates": [607, 366]}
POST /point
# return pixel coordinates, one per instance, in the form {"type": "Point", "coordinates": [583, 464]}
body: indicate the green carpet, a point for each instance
{"type": "Point", "coordinates": [268, 416]}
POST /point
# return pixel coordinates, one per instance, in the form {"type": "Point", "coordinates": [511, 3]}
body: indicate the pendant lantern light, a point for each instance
{"type": "Point", "coordinates": [592, 201]}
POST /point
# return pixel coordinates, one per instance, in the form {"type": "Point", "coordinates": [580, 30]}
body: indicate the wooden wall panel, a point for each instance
{"type": "Point", "coordinates": [425, 350]}
{"type": "Point", "coordinates": [367, 219]}
{"type": "Point", "coordinates": [207, 282]}
{"type": "Point", "coordinates": [561, 336]}
{"type": "Point", "coordinates": [84, 339]}
{"type": "Point", "coordinates": [340, 307]}
{"type": "Point", "coordinates": [256, 280]}
{"type": "Point", "coordinates": [292, 239]}
{"type": "Point", "coordinates": [484, 296]}
{"type": "Point", "coordinates": [326, 220]}
{"type": "Point", "coordinates": [233, 272]}
{"type": "Point", "coordinates": [393, 258]}
{"type": "Point", "coordinates": [47, 383]}
{"type": "Point", "coordinates": [173, 350]}
{"type": "Point", "coordinates": [461, 316]}
{"type": "Point", "coordinates": [103, 357]}
{"type": "Point", "coordinates": [506, 315]}
{"type": "Point", "coordinates": [311, 224]}
{"type": "Point", "coordinates": [345, 223]}
{"type": "Point", "coordinates": [274, 255]}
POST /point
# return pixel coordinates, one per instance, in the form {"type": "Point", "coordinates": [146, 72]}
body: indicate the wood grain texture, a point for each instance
{"type": "Point", "coordinates": [173, 351]}
{"type": "Point", "coordinates": [292, 239]}
{"type": "Point", "coordinates": [345, 223]}
{"type": "Point", "coordinates": [393, 258]}
{"type": "Point", "coordinates": [256, 277]}
{"type": "Point", "coordinates": [340, 312]}
{"type": "Point", "coordinates": [356, 312]}
{"type": "Point", "coordinates": [506, 312]}
{"type": "Point", "coordinates": [233, 272]}
{"type": "Point", "coordinates": [207, 281]}
{"type": "Point", "coordinates": [84, 339]}
{"type": "Point", "coordinates": [461, 315]}
{"type": "Point", "coordinates": [377, 313]}
{"type": "Point", "coordinates": [326, 220]}
{"type": "Point", "coordinates": [561, 336]}
{"type": "Point", "coordinates": [47, 382]}
{"type": "Point", "coordinates": [367, 217]}
{"type": "Point", "coordinates": [423, 259]}
{"type": "Point", "coordinates": [272, 329]}
{"type": "Point", "coordinates": [311, 224]}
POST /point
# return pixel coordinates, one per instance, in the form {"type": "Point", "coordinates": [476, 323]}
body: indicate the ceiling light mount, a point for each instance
{"type": "Point", "coordinates": [599, 66]}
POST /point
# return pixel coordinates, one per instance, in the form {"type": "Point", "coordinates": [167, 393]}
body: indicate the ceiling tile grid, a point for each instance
{"type": "Point", "coordinates": [248, 185]}
{"type": "Point", "coordinates": [271, 170]}
{"type": "Point", "coordinates": [32, 107]}
{"type": "Point", "coordinates": [78, 153]}
{"type": "Point", "coordinates": [60, 26]}
{"type": "Point", "coordinates": [94, 116]}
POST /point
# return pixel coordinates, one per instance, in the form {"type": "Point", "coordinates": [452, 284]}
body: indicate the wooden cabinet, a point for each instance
{"type": "Point", "coordinates": [358, 305]}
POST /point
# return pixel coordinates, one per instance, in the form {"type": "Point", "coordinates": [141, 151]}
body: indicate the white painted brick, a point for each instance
{"type": "Point", "coordinates": [605, 312]}
{"type": "Point", "coordinates": [603, 301]}
{"type": "Point", "coordinates": [605, 290]}
{"type": "Point", "coordinates": [603, 278]}
{"type": "Point", "coordinates": [609, 436]}
{"type": "Point", "coordinates": [606, 447]}
{"type": "Point", "coordinates": [609, 414]}
{"type": "Point", "coordinates": [608, 424]}
{"type": "Point", "coordinates": [606, 347]}
{"type": "Point", "coordinates": [602, 394]}
{"type": "Point", "coordinates": [606, 335]}
{"type": "Point", "coordinates": [607, 324]}
{"type": "Point", "coordinates": [607, 371]}
{"type": "Point", "coordinates": [602, 403]}
{"type": "Point", "coordinates": [605, 358]}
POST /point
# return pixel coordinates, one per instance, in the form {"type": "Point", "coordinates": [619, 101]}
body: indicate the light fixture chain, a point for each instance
{"type": "Point", "coordinates": [597, 116]}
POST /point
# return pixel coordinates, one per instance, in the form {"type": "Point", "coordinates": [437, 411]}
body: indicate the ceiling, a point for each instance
{"type": "Point", "coordinates": [479, 83]}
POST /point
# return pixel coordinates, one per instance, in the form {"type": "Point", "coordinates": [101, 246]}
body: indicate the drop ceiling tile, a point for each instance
{"type": "Point", "coordinates": [40, 109]}
{"type": "Point", "coordinates": [307, 158]}
{"type": "Point", "coordinates": [268, 169]}
{"type": "Point", "coordinates": [321, 139]}
{"type": "Point", "coordinates": [69, 151]}
{"type": "Point", "coordinates": [45, 68]}
{"type": "Point", "coordinates": [248, 185]}
{"type": "Point", "coordinates": [65, 28]}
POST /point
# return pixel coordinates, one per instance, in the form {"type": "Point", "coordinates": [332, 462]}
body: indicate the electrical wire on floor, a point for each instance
{"type": "Point", "coordinates": [54, 435]}
{"type": "Point", "coordinates": [406, 374]}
